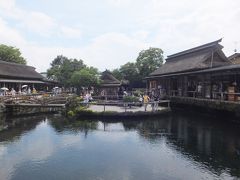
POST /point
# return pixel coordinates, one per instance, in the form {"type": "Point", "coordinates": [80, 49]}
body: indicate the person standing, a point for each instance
{"type": "Point", "coordinates": [156, 99]}
{"type": "Point", "coordinates": [145, 101]}
{"type": "Point", "coordinates": [13, 92]}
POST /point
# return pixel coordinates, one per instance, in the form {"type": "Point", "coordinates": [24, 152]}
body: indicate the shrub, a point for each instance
{"type": "Point", "coordinates": [71, 113]}
{"type": "Point", "coordinates": [130, 99]}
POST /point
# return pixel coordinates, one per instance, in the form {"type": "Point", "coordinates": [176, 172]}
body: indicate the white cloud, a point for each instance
{"type": "Point", "coordinates": [111, 50]}
{"type": "Point", "coordinates": [70, 32]}
{"type": "Point", "coordinates": [9, 35]}
{"type": "Point", "coordinates": [37, 22]}
{"type": "Point", "coordinates": [170, 25]}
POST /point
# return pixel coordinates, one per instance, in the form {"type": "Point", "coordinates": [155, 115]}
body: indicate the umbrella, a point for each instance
{"type": "Point", "coordinates": [23, 86]}
{"type": "Point", "coordinates": [4, 89]}
{"type": "Point", "coordinates": [56, 87]}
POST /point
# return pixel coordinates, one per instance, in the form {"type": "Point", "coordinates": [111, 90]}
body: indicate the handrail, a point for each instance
{"type": "Point", "coordinates": [126, 104]}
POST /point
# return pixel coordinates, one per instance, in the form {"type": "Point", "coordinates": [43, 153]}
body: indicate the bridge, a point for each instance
{"type": "Point", "coordinates": [34, 103]}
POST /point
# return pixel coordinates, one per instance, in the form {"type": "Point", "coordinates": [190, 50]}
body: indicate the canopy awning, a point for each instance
{"type": "Point", "coordinates": [21, 81]}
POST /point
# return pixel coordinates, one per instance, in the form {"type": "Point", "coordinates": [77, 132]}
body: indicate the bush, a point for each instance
{"type": "Point", "coordinates": [71, 113]}
{"type": "Point", "coordinates": [130, 99]}
{"type": "Point", "coordinates": [73, 103]}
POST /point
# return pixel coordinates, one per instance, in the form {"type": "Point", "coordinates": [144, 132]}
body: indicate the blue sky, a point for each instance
{"type": "Point", "coordinates": [109, 33]}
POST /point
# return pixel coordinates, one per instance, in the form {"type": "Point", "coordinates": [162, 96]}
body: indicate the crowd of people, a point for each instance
{"type": "Point", "coordinates": [13, 92]}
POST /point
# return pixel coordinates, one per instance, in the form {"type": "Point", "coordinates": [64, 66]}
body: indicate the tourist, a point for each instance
{"type": "Point", "coordinates": [152, 101]}
{"type": "Point", "coordinates": [140, 98]}
{"type": "Point", "coordinates": [29, 91]}
{"type": "Point", "coordinates": [13, 92]}
{"type": "Point", "coordinates": [34, 91]}
{"type": "Point", "coordinates": [145, 101]}
{"type": "Point", "coordinates": [103, 94]}
{"type": "Point", "coordinates": [60, 90]}
{"type": "Point", "coordinates": [199, 90]}
{"type": "Point", "coordinates": [156, 99]}
{"type": "Point", "coordinates": [90, 97]}
{"type": "Point", "coordinates": [86, 98]}
{"type": "Point", "coordinates": [24, 91]}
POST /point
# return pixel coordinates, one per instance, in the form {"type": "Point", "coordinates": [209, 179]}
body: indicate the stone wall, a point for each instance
{"type": "Point", "coordinates": [213, 107]}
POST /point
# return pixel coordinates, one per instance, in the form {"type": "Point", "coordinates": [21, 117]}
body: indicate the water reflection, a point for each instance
{"type": "Point", "coordinates": [173, 147]}
{"type": "Point", "coordinates": [12, 128]}
{"type": "Point", "coordinates": [213, 143]}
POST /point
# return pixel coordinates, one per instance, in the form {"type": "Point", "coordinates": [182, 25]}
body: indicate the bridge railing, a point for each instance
{"type": "Point", "coordinates": [42, 98]}
{"type": "Point", "coordinates": [128, 105]}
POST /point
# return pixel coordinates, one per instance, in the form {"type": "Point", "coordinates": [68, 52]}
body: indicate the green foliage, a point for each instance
{"type": "Point", "coordinates": [117, 74]}
{"type": "Point", "coordinates": [71, 113]}
{"type": "Point", "coordinates": [149, 60]}
{"type": "Point", "coordinates": [62, 69]}
{"type": "Point", "coordinates": [139, 92]}
{"type": "Point", "coordinates": [85, 77]}
{"type": "Point", "coordinates": [130, 72]}
{"type": "Point", "coordinates": [130, 99]}
{"type": "Point", "coordinates": [146, 62]}
{"type": "Point", "coordinates": [73, 103]}
{"type": "Point", "coordinates": [11, 54]}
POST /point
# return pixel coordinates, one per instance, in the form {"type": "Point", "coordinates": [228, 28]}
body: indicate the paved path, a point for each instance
{"type": "Point", "coordinates": [100, 108]}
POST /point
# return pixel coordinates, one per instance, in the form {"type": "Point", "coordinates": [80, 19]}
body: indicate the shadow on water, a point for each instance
{"type": "Point", "coordinates": [12, 128]}
{"type": "Point", "coordinates": [211, 142]}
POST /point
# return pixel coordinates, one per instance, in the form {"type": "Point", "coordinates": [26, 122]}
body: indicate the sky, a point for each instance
{"type": "Point", "coordinates": [109, 33]}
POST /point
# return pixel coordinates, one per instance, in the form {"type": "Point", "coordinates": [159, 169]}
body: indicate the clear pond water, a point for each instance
{"type": "Point", "coordinates": [171, 147]}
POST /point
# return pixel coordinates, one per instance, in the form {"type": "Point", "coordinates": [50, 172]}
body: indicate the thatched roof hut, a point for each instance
{"type": "Point", "coordinates": [108, 80]}
{"type": "Point", "coordinates": [8, 69]}
{"type": "Point", "coordinates": [13, 72]}
{"type": "Point", "coordinates": [235, 58]}
{"type": "Point", "coordinates": [206, 56]}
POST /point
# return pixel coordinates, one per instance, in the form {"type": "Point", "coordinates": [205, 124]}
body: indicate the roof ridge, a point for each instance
{"type": "Point", "coordinates": [17, 64]}
{"type": "Point", "coordinates": [204, 46]}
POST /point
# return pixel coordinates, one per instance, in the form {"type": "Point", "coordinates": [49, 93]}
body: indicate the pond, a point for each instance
{"type": "Point", "coordinates": [171, 147]}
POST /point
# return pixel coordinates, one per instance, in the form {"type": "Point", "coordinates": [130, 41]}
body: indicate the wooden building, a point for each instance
{"type": "Point", "coordinates": [200, 72]}
{"type": "Point", "coordinates": [110, 86]}
{"type": "Point", "coordinates": [13, 75]}
{"type": "Point", "coordinates": [235, 58]}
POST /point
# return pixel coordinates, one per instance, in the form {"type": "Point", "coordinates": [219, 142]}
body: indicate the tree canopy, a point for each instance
{"type": "Point", "coordinates": [149, 60]}
{"type": "Point", "coordinates": [85, 78]}
{"type": "Point", "coordinates": [146, 62]}
{"type": "Point", "coordinates": [62, 69]}
{"type": "Point", "coordinates": [11, 54]}
{"type": "Point", "coordinates": [72, 72]}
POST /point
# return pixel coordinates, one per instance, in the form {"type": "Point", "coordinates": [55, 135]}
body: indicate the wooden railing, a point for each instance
{"type": "Point", "coordinates": [221, 96]}
{"type": "Point", "coordinates": [127, 105]}
{"type": "Point", "coordinates": [40, 98]}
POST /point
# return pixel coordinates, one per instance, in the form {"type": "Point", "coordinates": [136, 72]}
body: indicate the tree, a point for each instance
{"type": "Point", "coordinates": [149, 60]}
{"type": "Point", "coordinates": [146, 62]}
{"type": "Point", "coordinates": [130, 72]}
{"type": "Point", "coordinates": [117, 74]}
{"type": "Point", "coordinates": [11, 54]}
{"type": "Point", "coordinates": [86, 77]}
{"type": "Point", "coordinates": [63, 68]}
